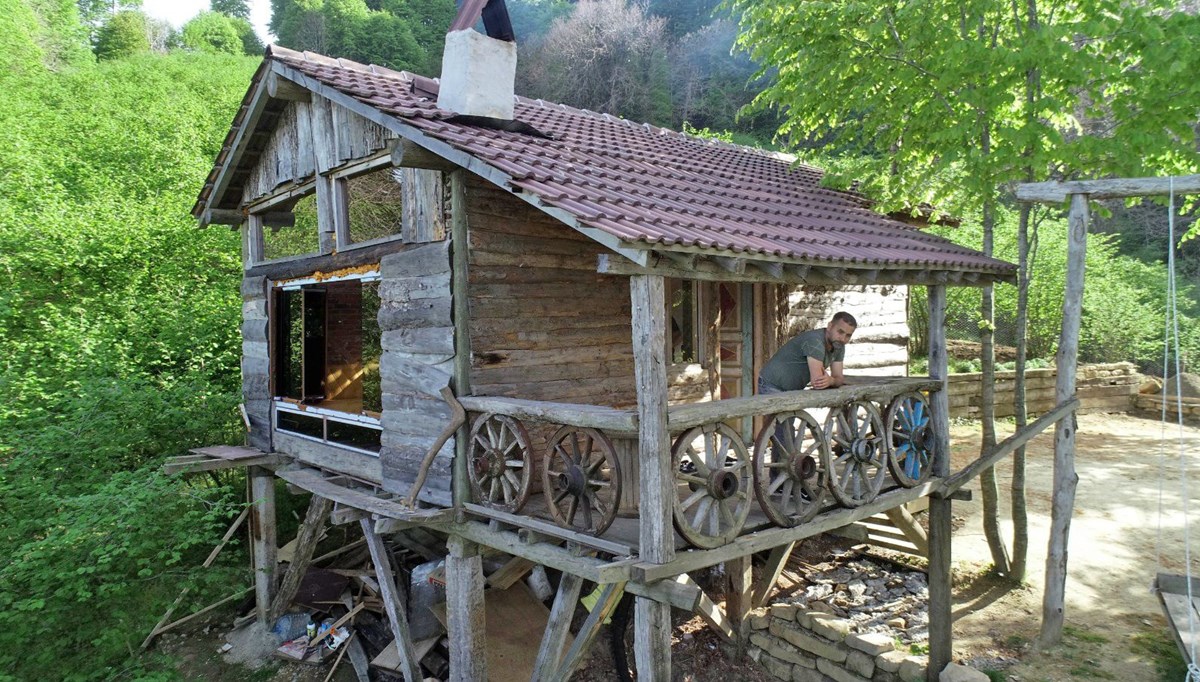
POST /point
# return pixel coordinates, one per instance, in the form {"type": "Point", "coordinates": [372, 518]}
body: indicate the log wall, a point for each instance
{"type": "Point", "coordinates": [417, 363]}
{"type": "Point", "coordinates": [880, 344]}
{"type": "Point", "coordinates": [1101, 388]}
{"type": "Point", "coordinates": [544, 325]}
{"type": "Point", "coordinates": [256, 366]}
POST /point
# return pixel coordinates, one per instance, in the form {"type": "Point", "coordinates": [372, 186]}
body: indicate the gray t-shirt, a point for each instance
{"type": "Point", "coordinates": [788, 368]}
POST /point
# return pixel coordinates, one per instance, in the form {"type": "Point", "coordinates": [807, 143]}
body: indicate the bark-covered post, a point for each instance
{"type": "Point", "coordinates": [941, 643]}
{"type": "Point", "coordinates": [652, 620]}
{"type": "Point", "coordinates": [263, 539]}
{"type": "Point", "coordinates": [1063, 500]}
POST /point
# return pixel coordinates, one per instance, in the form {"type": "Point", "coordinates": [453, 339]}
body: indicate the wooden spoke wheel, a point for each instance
{"type": "Point", "coordinates": [712, 485]}
{"type": "Point", "coordinates": [789, 478]}
{"type": "Point", "coordinates": [910, 439]}
{"type": "Point", "coordinates": [854, 461]}
{"type": "Point", "coordinates": [498, 462]}
{"type": "Point", "coordinates": [582, 479]}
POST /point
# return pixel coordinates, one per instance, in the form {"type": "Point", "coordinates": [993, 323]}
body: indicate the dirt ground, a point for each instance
{"type": "Point", "coordinates": [1114, 626]}
{"type": "Point", "coordinates": [1113, 621]}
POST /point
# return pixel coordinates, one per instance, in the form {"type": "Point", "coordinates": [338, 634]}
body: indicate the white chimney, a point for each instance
{"type": "Point", "coordinates": [477, 75]}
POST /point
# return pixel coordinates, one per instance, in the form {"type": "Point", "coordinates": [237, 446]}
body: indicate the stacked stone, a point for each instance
{"type": "Point", "coordinates": [801, 645]}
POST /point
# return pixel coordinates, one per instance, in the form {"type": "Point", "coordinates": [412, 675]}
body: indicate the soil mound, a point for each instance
{"type": "Point", "coordinates": [1188, 385]}
{"type": "Point", "coordinates": [970, 350]}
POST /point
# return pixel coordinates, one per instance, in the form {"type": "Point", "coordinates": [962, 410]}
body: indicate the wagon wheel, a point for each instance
{"type": "Point", "coordinates": [789, 477]}
{"type": "Point", "coordinates": [582, 479]}
{"type": "Point", "coordinates": [499, 462]}
{"type": "Point", "coordinates": [854, 459]}
{"type": "Point", "coordinates": [910, 439]}
{"type": "Point", "coordinates": [712, 485]}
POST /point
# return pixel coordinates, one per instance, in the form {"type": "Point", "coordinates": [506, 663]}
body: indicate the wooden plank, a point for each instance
{"type": "Point", "coordinates": [394, 603]}
{"type": "Point", "coordinates": [771, 571]}
{"type": "Point", "coordinates": [264, 542]}
{"type": "Point", "coordinates": [312, 481]}
{"type": "Point", "coordinates": [1116, 188]}
{"type": "Point", "coordinates": [585, 416]}
{"type": "Point", "coordinates": [941, 637]}
{"type": "Point", "coordinates": [1005, 447]}
{"type": "Point", "coordinates": [1062, 501]}
{"type": "Point", "coordinates": [610, 596]}
{"type": "Point", "coordinates": [770, 538]}
{"type": "Point", "coordinates": [558, 629]}
{"type": "Point", "coordinates": [553, 530]}
{"type": "Point", "coordinates": [189, 465]}
{"type": "Point", "coordinates": [466, 618]}
{"type": "Point", "coordinates": [714, 616]}
{"type": "Point", "coordinates": [512, 571]}
{"type": "Point", "coordinates": [306, 542]}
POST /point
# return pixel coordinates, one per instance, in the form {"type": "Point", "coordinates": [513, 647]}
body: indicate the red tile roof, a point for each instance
{"type": "Point", "coordinates": [643, 184]}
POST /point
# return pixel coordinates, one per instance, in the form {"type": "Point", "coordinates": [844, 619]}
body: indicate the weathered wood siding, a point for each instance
{"type": "Point", "coordinates": [311, 137]}
{"type": "Point", "coordinates": [417, 362]}
{"type": "Point", "coordinates": [880, 344]}
{"type": "Point", "coordinates": [256, 367]}
{"type": "Point", "coordinates": [544, 325]}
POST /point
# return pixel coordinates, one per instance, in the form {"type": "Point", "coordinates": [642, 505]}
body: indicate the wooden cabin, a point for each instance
{"type": "Point", "coordinates": [597, 296]}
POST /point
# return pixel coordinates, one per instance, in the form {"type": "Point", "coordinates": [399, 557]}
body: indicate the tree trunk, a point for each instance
{"type": "Point", "coordinates": [989, 491]}
{"type": "Point", "coordinates": [1020, 516]}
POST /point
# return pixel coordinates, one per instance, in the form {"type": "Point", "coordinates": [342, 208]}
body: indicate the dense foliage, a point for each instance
{"type": "Point", "coordinates": [118, 344]}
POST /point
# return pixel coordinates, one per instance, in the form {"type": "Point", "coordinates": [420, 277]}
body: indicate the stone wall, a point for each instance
{"type": "Point", "coordinates": [1151, 405]}
{"type": "Point", "coordinates": [801, 645]}
{"type": "Point", "coordinates": [1101, 388]}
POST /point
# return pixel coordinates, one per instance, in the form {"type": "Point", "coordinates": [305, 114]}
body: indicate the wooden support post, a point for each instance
{"type": "Point", "coordinates": [264, 542]}
{"type": "Point", "coordinates": [652, 620]}
{"type": "Point", "coordinates": [610, 596]}
{"type": "Point", "coordinates": [465, 617]}
{"type": "Point", "coordinates": [1063, 498]}
{"type": "Point", "coordinates": [310, 533]}
{"type": "Point", "coordinates": [459, 248]}
{"type": "Point", "coordinates": [394, 603]}
{"type": "Point", "coordinates": [738, 599]}
{"type": "Point", "coordinates": [776, 560]}
{"type": "Point", "coordinates": [912, 530]}
{"type": "Point", "coordinates": [558, 627]}
{"type": "Point", "coordinates": [941, 641]}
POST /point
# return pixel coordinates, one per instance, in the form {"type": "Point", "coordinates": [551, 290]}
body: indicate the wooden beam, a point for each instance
{"type": "Point", "coordinates": [770, 538]}
{"type": "Point", "coordinates": [657, 480]}
{"type": "Point", "coordinates": [394, 604]}
{"type": "Point", "coordinates": [770, 269]}
{"type": "Point", "coordinates": [952, 484]}
{"type": "Point", "coordinates": [687, 261]}
{"type": "Point", "coordinates": [306, 542]}
{"type": "Point", "coordinates": [553, 530]}
{"type": "Point", "coordinates": [652, 640]}
{"type": "Point", "coordinates": [563, 414]}
{"type": "Point", "coordinates": [1062, 501]}
{"type": "Point", "coordinates": [715, 617]}
{"type": "Point", "coordinates": [736, 266]}
{"type": "Point", "coordinates": [610, 596]}
{"type": "Point", "coordinates": [1117, 188]}
{"type": "Point", "coordinates": [739, 599]}
{"type": "Point", "coordinates": [559, 626]}
{"type": "Point", "coordinates": [279, 87]}
{"type": "Point", "coordinates": [912, 531]}
{"type": "Point", "coordinates": [941, 637]}
{"type": "Point", "coordinates": [466, 620]}
{"type": "Point", "coordinates": [706, 269]}
{"type": "Point", "coordinates": [408, 154]}
{"type": "Point", "coordinates": [264, 542]}
{"type": "Point", "coordinates": [192, 464]}
{"type": "Point", "coordinates": [221, 216]}
{"type": "Point", "coordinates": [342, 515]}
{"type": "Point", "coordinates": [251, 113]}
{"type": "Point", "coordinates": [771, 570]}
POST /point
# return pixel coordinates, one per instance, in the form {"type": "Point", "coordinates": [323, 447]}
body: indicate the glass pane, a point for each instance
{"type": "Point", "coordinates": [298, 239]}
{"type": "Point", "coordinates": [299, 423]}
{"type": "Point", "coordinates": [362, 437]}
{"type": "Point", "coordinates": [375, 204]}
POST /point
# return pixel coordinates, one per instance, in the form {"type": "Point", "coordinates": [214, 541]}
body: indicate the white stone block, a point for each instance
{"type": "Point", "coordinates": [478, 74]}
{"type": "Point", "coordinates": [956, 672]}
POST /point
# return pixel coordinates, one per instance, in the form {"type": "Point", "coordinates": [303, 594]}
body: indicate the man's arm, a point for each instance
{"type": "Point", "coordinates": [838, 379]}
{"type": "Point", "coordinates": [816, 370]}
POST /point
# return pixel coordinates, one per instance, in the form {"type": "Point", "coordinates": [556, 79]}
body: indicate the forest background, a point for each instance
{"type": "Point", "coordinates": [119, 318]}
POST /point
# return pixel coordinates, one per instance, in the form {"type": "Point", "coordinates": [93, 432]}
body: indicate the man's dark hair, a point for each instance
{"type": "Point", "coordinates": [843, 316]}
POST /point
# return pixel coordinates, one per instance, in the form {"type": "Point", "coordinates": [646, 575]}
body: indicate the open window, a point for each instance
{"type": "Point", "coordinates": [290, 229]}
{"type": "Point", "coordinates": [374, 204]}
{"type": "Point", "coordinates": [684, 315]}
{"type": "Point", "coordinates": [325, 360]}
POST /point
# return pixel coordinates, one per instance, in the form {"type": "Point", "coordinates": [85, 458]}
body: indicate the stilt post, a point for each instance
{"type": "Point", "coordinates": [738, 601]}
{"type": "Point", "coordinates": [652, 620]}
{"type": "Point", "coordinates": [465, 616]}
{"type": "Point", "coordinates": [941, 643]}
{"type": "Point", "coordinates": [264, 542]}
{"type": "Point", "coordinates": [1063, 500]}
